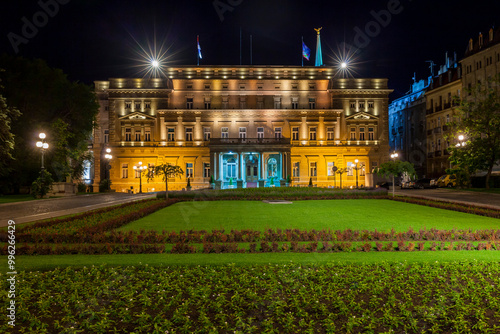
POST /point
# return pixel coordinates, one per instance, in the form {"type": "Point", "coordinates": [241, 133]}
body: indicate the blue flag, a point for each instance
{"type": "Point", "coordinates": [306, 52]}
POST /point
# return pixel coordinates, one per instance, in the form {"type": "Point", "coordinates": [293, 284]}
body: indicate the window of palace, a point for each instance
{"type": "Point", "coordinates": [207, 104]}
{"type": "Point", "coordinates": [106, 136]}
{"type": "Point", "coordinates": [353, 133]}
{"type": "Point", "coordinates": [128, 134]}
{"type": "Point", "coordinates": [277, 103]}
{"type": "Point", "coordinates": [361, 133]}
{"type": "Point", "coordinates": [137, 135]}
{"type": "Point", "coordinates": [330, 133]}
{"type": "Point", "coordinates": [138, 173]}
{"type": "Point", "coordinates": [295, 133]}
{"type": "Point", "coordinates": [207, 86]}
{"type": "Point", "coordinates": [206, 170]}
{"type": "Point", "coordinates": [295, 103]}
{"type": "Point", "coordinates": [260, 133]}
{"type": "Point", "coordinates": [329, 168]}
{"type": "Point", "coordinates": [362, 170]}
{"type": "Point", "coordinates": [128, 105]}
{"type": "Point", "coordinates": [124, 171]}
{"type": "Point", "coordinates": [448, 118]}
{"type": "Point", "coordinates": [230, 168]}
{"type": "Point", "coordinates": [371, 105]}
{"type": "Point", "coordinates": [353, 105]}
{"type": "Point", "coordinates": [224, 132]}
{"type": "Point", "coordinates": [272, 167]}
{"type": "Point", "coordinates": [171, 134]}
{"type": "Point", "coordinates": [225, 102]}
{"type": "Point", "coordinates": [225, 86]}
{"type": "Point", "coordinates": [439, 121]}
{"type": "Point", "coordinates": [361, 105]}
{"type": "Point", "coordinates": [371, 134]}
{"type": "Point", "coordinates": [350, 168]}
{"type": "Point", "coordinates": [277, 133]}
{"type": "Point", "coordinates": [206, 134]}
{"type": "Point", "coordinates": [296, 169]}
{"type": "Point", "coordinates": [243, 133]}
{"type": "Point", "coordinates": [137, 106]}
{"type": "Point", "coordinates": [189, 86]}
{"type": "Point", "coordinates": [312, 133]}
{"type": "Point", "coordinates": [189, 170]}
{"type": "Point", "coordinates": [189, 134]}
{"type": "Point", "coordinates": [312, 103]}
{"type": "Point", "coordinates": [147, 134]}
{"type": "Point", "coordinates": [147, 105]}
{"type": "Point", "coordinates": [189, 103]}
{"type": "Point", "coordinates": [243, 102]}
{"type": "Point", "coordinates": [374, 166]}
{"type": "Point", "coordinates": [260, 102]}
{"type": "Point", "coordinates": [313, 171]}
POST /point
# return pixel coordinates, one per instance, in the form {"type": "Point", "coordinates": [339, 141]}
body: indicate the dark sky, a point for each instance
{"type": "Point", "coordinates": [95, 40]}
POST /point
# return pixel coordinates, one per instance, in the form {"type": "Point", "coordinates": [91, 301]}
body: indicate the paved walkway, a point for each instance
{"type": "Point", "coordinates": [23, 212]}
{"type": "Point", "coordinates": [452, 195]}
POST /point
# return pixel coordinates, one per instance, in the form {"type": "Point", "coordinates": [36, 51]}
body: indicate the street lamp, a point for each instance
{"type": "Point", "coordinates": [108, 157]}
{"type": "Point", "coordinates": [42, 145]}
{"type": "Point", "coordinates": [140, 168]}
{"type": "Point", "coordinates": [334, 170]}
{"type": "Point", "coordinates": [461, 140]}
{"type": "Point", "coordinates": [356, 169]}
{"type": "Point", "coordinates": [393, 157]}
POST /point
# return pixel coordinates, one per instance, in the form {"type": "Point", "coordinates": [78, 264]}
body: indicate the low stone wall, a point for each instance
{"type": "Point", "coordinates": [63, 189]}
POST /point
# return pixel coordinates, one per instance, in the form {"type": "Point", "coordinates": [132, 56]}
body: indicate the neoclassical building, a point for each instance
{"type": "Point", "coordinates": [246, 126]}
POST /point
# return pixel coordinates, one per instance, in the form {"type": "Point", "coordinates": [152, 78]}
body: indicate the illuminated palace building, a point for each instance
{"type": "Point", "coordinates": [246, 126]}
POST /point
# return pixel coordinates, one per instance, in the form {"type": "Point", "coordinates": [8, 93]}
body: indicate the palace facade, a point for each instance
{"type": "Point", "coordinates": [245, 126]}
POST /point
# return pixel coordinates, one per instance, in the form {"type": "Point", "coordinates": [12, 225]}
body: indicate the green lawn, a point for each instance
{"type": "Point", "coordinates": [49, 262]}
{"type": "Point", "coordinates": [15, 198]}
{"type": "Point", "coordinates": [356, 214]}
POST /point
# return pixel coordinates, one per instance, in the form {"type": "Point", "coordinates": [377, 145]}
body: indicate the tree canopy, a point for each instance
{"type": "Point", "coordinates": [477, 119]}
{"type": "Point", "coordinates": [48, 102]}
{"type": "Point", "coordinates": [166, 171]}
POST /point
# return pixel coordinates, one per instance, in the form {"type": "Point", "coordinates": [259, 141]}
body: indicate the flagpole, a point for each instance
{"type": "Point", "coordinates": [301, 52]}
{"type": "Point", "coordinates": [197, 51]}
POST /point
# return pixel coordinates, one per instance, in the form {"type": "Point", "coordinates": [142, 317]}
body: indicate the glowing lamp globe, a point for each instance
{"type": "Point", "coordinates": [343, 65]}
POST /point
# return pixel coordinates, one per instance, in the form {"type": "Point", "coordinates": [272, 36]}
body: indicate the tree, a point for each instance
{"type": "Point", "coordinates": [49, 102]}
{"type": "Point", "coordinates": [42, 185]}
{"type": "Point", "coordinates": [7, 138]}
{"type": "Point", "coordinates": [478, 120]}
{"type": "Point", "coordinates": [341, 171]}
{"type": "Point", "coordinates": [393, 168]}
{"type": "Point", "coordinates": [166, 171]}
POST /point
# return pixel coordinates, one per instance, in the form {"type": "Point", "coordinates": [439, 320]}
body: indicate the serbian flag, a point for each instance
{"type": "Point", "coordinates": [306, 52]}
{"type": "Point", "coordinates": [199, 48]}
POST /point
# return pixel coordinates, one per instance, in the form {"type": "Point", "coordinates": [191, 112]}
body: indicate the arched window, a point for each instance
{"type": "Point", "coordinates": [272, 167]}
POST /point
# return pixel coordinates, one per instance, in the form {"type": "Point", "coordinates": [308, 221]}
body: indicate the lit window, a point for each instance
{"type": "Point", "coordinates": [312, 169]}
{"type": "Point", "coordinates": [353, 133]}
{"type": "Point", "coordinates": [147, 134]}
{"type": "Point", "coordinates": [371, 134]}
{"type": "Point", "coordinates": [277, 133]}
{"type": "Point", "coordinates": [128, 134]}
{"type": "Point", "coordinates": [189, 103]}
{"type": "Point", "coordinates": [171, 134]}
{"type": "Point", "coordinates": [125, 171]}
{"type": "Point", "coordinates": [243, 133]}
{"type": "Point", "coordinates": [272, 167]}
{"type": "Point", "coordinates": [361, 133]}
{"type": "Point", "coordinates": [189, 170]}
{"type": "Point", "coordinates": [312, 133]}
{"type": "Point", "coordinates": [206, 170]}
{"type": "Point", "coordinates": [295, 133]}
{"type": "Point", "coordinates": [206, 134]}
{"type": "Point", "coordinates": [330, 133]}
{"type": "Point", "coordinates": [189, 134]}
{"type": "Point", "coordinates": [330, 166]}
{"type": "Point", "coordinates": [260, 133]}
{"type": "Point", "coordinates": [137, 136]}
{"type": "Point", "coordinates": [350, 167]}
{"type": "Point", "coordinates": [224, 132]}
{"type": "Point", "coordinates": [106, 136]}
{"type": "Point", "coordinates": [296, 169]}
{"type": "Point", "coordinates": [312, 103]}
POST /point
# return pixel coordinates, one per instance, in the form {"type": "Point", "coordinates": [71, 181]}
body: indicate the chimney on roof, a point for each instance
{"type": "Point", "coordinates": [480, 40]}
{"type": "Point", "coordinates": [471, 44]}
{"type": "Point", "coordinates": [491, 34]}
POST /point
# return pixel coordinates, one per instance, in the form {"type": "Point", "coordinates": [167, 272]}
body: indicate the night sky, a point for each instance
{"type": "Point", "coordinates": [95, 40]}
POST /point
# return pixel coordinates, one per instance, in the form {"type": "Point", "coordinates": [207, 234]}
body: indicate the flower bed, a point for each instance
{"type": "Point", "coordinates": [459, 297]}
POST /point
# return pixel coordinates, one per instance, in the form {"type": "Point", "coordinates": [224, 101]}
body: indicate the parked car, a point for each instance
{"type": "Point", "coordinates": [385, 185]}
{"type": "Point", "coordinates": [447, 181]}
{"type": "Point", "coordinates": [423, 183]}
{"type": "Point", "coordinates": [408, 184]}
{"type": "Point", "coordinates": [434, 183]}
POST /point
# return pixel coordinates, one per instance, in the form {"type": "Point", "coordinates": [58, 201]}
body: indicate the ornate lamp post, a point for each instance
{"type": "Point", "coordinates": [334, 170]}
{"type": "Point", "coordinates": [393, 157]}
{"type": "Point", "coordinates": [108, 157]}
{"type": "Point", "coordinates": [356, 169]}
{"type": "Point", "coordinates": [461, 141]}
{"type": "Point", "coordinates": [140, 168]}
{"type": "Point", "coordinates": [42, 145]}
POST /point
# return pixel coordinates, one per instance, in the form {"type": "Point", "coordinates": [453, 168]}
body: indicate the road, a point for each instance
{"type": "Point", "coordinates": [453, 195]}
{"type": "Point", "coordinates": [23, 212]}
